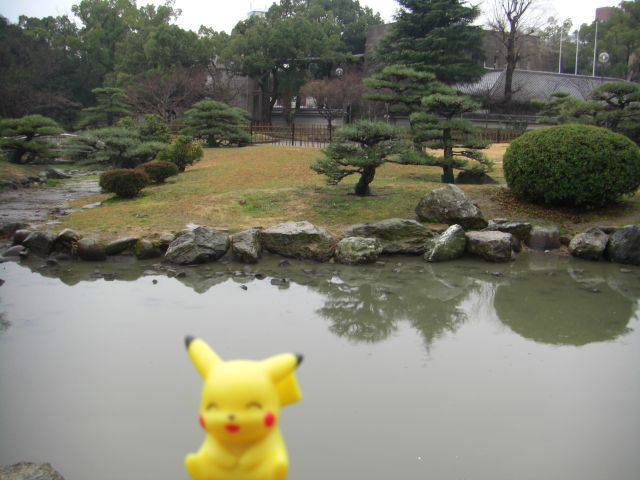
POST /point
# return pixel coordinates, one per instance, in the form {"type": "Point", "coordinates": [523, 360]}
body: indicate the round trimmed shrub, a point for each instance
{"type": "Point", "coordinates": [124, 182]}
{"type": "Point", "coordinates": [572, 165]}
{"type": "Point", "coordinates": [159, 170]}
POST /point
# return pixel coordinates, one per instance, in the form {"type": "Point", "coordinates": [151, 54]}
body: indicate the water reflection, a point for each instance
{"type": "Point", "coordinates": [543, 298]}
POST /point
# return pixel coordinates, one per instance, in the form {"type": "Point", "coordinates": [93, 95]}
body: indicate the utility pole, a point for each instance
{"type": "Point", "coordinates": [577, 49]}
{"type": "Point", "coordinates": [595, 50]}
{"type": "Point", "coordinates": [560, 56]}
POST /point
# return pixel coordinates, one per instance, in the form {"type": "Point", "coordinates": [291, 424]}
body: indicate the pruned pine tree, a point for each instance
{"type": "Point", "coordinates": [111, 105]}
{"type": "Point", "coordinates": [24, 139]}
{"type": "Point", "coordinates": [440, 126]}
{"type": "Point", "coordinates": [217, 124]}
{"type": "Point", "coordinates": [360, 148]}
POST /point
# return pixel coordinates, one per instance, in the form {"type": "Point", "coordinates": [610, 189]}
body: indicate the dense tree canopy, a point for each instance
{"type": "Point", "coordinates": [435, 36]}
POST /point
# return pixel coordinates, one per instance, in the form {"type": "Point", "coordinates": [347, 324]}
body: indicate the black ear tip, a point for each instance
{"type": "Point", "coordinates": [299, 358]}
{"type": "Point", "coordinates": [187, 340]}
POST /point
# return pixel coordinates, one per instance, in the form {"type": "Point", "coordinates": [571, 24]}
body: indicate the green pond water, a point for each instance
{"type": "Point", "coordinates": [463, 370]}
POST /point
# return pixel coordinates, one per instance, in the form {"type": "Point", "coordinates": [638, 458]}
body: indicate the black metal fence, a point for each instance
{"type": "Point", "coordinates": [320, 135]}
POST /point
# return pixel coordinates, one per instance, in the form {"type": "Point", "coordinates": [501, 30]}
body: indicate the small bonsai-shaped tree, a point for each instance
{"type": "Point", "coordinates": [360, 148]}
{"type": "Point", "coordinates": [217, 123]}
{"type": "Point", "coordinates": [183, 151]}
{"type": "Point", "coordinates": [111, 104]}
{"type": "Point", "coordinates": [24, 139]}
{"type": "Point", "coordinates": [118, 147]}
{"type": "Point", "coordinates": [440, 126]}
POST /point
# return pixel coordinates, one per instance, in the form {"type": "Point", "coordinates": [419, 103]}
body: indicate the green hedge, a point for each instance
{"type": "Point", "coordinates": [159, 170]}
{"type": "Point", "coordinates": [573, 165]}
{"type": "Point", "coordinates": [124, 182]}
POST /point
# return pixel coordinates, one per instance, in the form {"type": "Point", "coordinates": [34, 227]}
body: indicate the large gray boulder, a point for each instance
{"type": "Point", "coordinates": [396, 235]}
{"type": "Point", "coordinates": [246, 246]}
{"type": "Point", "coordinates": [449, 246]}
{"type": "Point", "coordinates": [624, 245]}
{"type": "Point", "coordinates": [450, 205]}
{"type": "Point", "coordinates": [544, 238]}
{"type": "Point", "coordinates": [56, 173]}
{"type": "Point", "coordinates": [299, 240]}
{"type": "Point", "coordinates": [29, 471]}
{"type": "Point", "coordinates": [200, 245]}
{"type": "Point", "coordinates": [91, 250]}
{"type": "Point", "coordinates": [589, 245]}
{"type": "Point", "coordinates": [492, 246]}
{"type": "Point", "coordinates": [358, 250]}
{"type": "Point", "coordinates": [40, 242]}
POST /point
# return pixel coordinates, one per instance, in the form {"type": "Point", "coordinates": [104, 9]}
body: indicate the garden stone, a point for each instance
{"type": "Point", "coordinates": [40, 242]}
{"type": "Point", "coordinates": [91, 250]}
{"type": "Point", "coordinates": [396, 235]}
{"type": "Point", "coordinates": [55, 173]}
{"type": "Point", "coordinates": [624, 245]}
{"type": "Point", "coordinates": [450, 205]}
{"type": "Point", "coordinates": [165, 240]}
{"type": "Point", "coordinates": [449, 246]}
{"type": "Point", "coordinates": [20, 236]}
{"type": "Point", "coordinates": [15, 252]}
{"type": "Point", "coordinates": [544, 238]}
{"type": "Point", "coordinates": [520, 230]}
{"type": "Point", "coordinates": [589, 245]}
{"type": "Point", "coordinates": [492, 246]}
{"type": "Point", "coordinates": [299, 240]}
{"type": "Point", "coordinates": [115, 247]}
{"type": "Point", "coordinates": [358, 250]}
{"type": "Point", "coordinates": [246, 246]}
{"type": "Point", "coordinates": [29, 471]}
{"type": "Point", "coordinates": [145, 249]}
{"type": "Point", "coordinates": [469, 177]}
{"type": "Point", "coordinates": [67, 241]}
{"type": "Point", "coordinates": [200, 245]}
{"type": "Point", "coordinates": [9, 229]}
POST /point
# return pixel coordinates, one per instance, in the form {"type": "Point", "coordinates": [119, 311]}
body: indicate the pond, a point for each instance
{"type": "Point", "coordinates": [464, 370]}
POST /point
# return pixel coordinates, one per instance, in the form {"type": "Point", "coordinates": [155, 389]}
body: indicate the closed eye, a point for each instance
{"type": "Point", "coordinates": [254, 405]}
{"type": "Point", "coordinates": [212, 405]}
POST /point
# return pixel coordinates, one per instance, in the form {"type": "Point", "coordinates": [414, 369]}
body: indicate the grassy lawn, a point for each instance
{"type": "Point", "coordinates": [265, 185]}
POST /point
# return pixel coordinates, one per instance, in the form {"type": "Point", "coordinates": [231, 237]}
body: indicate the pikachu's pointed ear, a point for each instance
{"type": "Point", "coordinates": [202, 355]}
{"type": "Point", "coordinates": [281, 370]}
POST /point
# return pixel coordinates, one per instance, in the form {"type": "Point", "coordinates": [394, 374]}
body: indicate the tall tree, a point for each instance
{"type": "Point", "coordinates": [513, 20]}
{"type": "Point", "coordinates": [620, 37]}
{"type": "Point", "coordinates": [435, 36]}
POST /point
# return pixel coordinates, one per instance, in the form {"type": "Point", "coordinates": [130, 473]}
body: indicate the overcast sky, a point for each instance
{"type": "Point", "coordinates": [224, 14]}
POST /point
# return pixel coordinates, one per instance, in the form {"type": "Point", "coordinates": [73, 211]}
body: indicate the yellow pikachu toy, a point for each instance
{"type": "Point", "coordinates": [239, 411]}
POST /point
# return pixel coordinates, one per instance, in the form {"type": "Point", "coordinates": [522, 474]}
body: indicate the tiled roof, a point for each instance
{"type": "Point", "coordinates": [529, 85]}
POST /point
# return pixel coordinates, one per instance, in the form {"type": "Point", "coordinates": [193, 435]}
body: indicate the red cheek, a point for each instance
{"type": "Point", "coordinates": [201, 418]}
{"type": "Point", "coordinates": [269, 419]}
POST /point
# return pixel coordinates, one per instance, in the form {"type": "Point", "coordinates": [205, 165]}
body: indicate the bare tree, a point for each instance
{"type": "Point", "coordinates": [513, 20]}
{"type": "Point", "coordinates": [335, 96]}
{"type": "Point", "coordinates": [167, 94]}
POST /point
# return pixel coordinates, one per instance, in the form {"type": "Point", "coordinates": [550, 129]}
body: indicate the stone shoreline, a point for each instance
{"type": "Point", "coordinates": [468, 233]}
{"type": "Point", "coordinates": [500, 241]}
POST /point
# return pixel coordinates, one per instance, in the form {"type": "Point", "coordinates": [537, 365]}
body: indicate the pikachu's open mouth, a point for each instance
{"type": "Point", "coordinates": [232, 428]}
